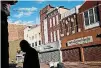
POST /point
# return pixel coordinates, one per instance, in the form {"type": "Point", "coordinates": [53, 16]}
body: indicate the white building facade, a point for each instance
{"type": "Point", "coordinates": [32, 35]}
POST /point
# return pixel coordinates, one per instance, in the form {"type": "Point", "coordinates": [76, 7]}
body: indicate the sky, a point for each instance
{"type": "Point", "coordinates": [27, 12]}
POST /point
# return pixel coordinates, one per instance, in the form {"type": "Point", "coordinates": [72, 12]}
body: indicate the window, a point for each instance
{"type": "Point", "coordinates": [68, 19]}
{"type": "Point", "coordinates": [96, 16]}
{"type": "Point", "coordinates": [51, 37]}
{"type": "Point", "coordinates": [66, 22]}
{"type": "Point", "coordinates": [66, 44]}
{"type": "Point", "coordinates": [86, 18]}
{"type": "Point", "coordinates": [35, 36]}
{"type": "Point", "coordinates": [53, 21]}
{"type": "Point", "coordinates": [32, 37]}
{"type": "Point", "coordinates": [91, 15]}
{"type": "Point", "coordinates": [72, 20]}
{"type": "Point", "coordinates": [57, 19]}
{"type": "Point", "coordinates": [35, 43]}
{"type": "Point", "coordinates": [58, 36]}
{"type": "Point", "coordinates": [50, 22]}
{"type": "Point", "coordinates": [91, 18]}
{"type": "Point", "coordinates": [32, 44]}
{"type": "Point", "coordinates": [61, 26]}
{"type": "Point", "coordinates": [54, 35]}
{"type": "Point", "coordinates": [39, 42]}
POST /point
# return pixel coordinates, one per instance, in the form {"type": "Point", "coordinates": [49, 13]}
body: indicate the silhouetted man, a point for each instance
{"type": "Point", "coordinates": [31, 57]}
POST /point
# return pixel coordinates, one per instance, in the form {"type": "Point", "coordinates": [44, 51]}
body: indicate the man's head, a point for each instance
{"type": "Point", "coordinates": [24, 45]}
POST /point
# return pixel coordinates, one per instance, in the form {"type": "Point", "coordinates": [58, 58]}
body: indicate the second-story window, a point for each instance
{"type": "Point", "coordinates": [86, 18]}
{"type": "Point", "coordinates": [53, 21]}
{"type": "Point", "coordinates": [50, 22]}
{"type": "Point", "coordinates": [91, 18]}
{"type": "Point", "coordinates": [96, 14]}
{"type": "Point", "coordinates": [91, 15]}
{"type": "Point", "coordinates": [57, 19]}
{"type": "Point", "coordinates": [35, 36]}
{"type": "Point", "coordinates": [32, 37]}
{"type": "Point", "coordinates": [61, 26]}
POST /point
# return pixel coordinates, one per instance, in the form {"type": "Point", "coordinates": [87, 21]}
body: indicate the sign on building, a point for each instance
{"type": "Point", "coordinates": [80, 40]}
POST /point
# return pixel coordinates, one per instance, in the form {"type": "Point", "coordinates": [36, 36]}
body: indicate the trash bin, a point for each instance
{"type": "Point", "coordinates": [60, 65]}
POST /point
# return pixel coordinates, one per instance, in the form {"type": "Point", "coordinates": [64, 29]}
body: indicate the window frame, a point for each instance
{"type": "Point", "coordinates": [91, 25]}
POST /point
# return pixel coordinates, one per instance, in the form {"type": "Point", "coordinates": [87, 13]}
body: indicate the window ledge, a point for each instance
{"type": "Point", "coordinates": [92, 25]}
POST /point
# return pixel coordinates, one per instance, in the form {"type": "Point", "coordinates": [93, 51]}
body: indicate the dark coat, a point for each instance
{"type": "Point", "coordinates": [31, 59]}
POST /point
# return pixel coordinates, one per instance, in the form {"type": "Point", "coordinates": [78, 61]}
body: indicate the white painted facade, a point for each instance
{"type": "Point", "coordinates": [33, 35]}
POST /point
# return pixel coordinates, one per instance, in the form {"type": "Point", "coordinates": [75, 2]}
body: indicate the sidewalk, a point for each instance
{"type": "Point", "coordinates": [43, 65]}
{"type": "Point", "coordinates": [82, 65]}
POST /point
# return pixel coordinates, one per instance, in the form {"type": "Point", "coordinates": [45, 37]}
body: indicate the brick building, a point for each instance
{"type": "Point", "coordinates": [50, 31]}
{"type": "Point", "coordinates": [50, 28]}
{"type": "Point", "coordinates": [16, 31]}
{"type": "Point", "coordinates": [84, 45]}
{"type": "Point", "coordinates": [42, 17]}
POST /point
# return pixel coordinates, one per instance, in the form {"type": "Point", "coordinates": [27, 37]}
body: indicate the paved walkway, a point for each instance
{"type": "Point", "coordinates": [72, 65]}
{"type": "Point", "coordinates": [42, 65]}
{"type": "Point", "coordinates": [82, 65]}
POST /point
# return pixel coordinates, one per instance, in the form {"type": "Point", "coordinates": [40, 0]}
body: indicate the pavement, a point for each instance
{"type": "Point", "coordinates": [67, 65]}
{"type": "Point", "coordinates": [82, 65]}
{"type": "Point", "coordinates": [43, 65]}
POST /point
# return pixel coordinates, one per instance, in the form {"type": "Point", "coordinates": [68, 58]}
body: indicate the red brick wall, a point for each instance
{"type": "Point", "coordinates": [92, 32]}
{"type": "Point", "coordinates": [42, 17]}
{"type": "Point", "coordinates": [71, 26]}
{"type": "Point", "coordinates": [88, 4]}
{"type": "Point", "coordinates": [53, 28]}
{"type": "Point", "coordinates": [71, 55]}
{"type": "Point", "coordinates": [92, 53]}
